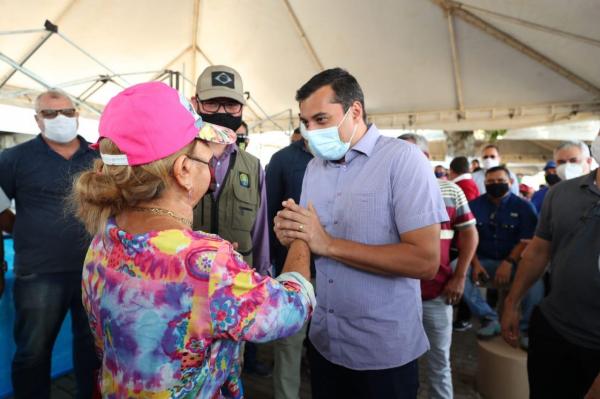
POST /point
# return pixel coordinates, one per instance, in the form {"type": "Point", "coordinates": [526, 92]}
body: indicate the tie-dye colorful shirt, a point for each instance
{"type": "Point", "coordinates": [169, 310]}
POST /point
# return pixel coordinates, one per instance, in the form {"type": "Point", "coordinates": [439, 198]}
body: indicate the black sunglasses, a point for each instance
{"type": "Point", "coordinates": [53, 113]}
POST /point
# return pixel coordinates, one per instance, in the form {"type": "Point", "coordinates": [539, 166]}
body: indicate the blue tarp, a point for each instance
{"type": "Point", "coordinates": [62, 361]}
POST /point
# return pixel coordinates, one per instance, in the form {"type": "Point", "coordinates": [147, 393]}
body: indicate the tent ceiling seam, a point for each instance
{"type": "Point", "coordinates": [307, 45]}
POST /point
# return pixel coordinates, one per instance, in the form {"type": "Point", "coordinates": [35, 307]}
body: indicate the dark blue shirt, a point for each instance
{"type": "Point", "coordinates": [538, 198]}
{"type": "Point", "coordinates": [502, 227]}
{"type": "Point", "coordinates": [47, 236]}
{"type": "Point", "coordinates": [284, 176]}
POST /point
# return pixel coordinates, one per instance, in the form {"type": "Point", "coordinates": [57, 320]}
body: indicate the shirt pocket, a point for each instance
{"type": "Point", "coordinates": [368, 220]}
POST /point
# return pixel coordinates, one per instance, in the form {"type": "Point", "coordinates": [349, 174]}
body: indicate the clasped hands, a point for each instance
{"type": "Point", "coordinates": [295, 222]}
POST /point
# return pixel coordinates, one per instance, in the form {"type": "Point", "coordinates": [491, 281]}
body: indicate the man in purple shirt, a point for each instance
{"type": "Point", "coordinates": [220, 100]}
{"type": "Point", "coordinates": [237, 208]}
{"type": "Point", "coordinates": [370, 212]}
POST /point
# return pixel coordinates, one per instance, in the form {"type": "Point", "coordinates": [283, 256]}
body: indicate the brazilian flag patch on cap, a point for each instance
{"type": "Point", "coordinates": [244, 180]}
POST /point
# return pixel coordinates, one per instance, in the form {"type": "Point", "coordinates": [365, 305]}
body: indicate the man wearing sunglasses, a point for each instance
{"type": "Point", "coordinates": [237, 209]}
{"type": "Point", "coordinates": [50, 246]}
{"type": "Point", "coordinates": [490, 156]}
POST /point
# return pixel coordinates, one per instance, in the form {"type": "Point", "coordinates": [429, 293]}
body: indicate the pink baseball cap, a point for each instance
{"type": "Point", "coordinates": [150, 121]}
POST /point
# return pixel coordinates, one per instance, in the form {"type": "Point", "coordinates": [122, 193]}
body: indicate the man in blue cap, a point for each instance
{"type": "Point", "coordinates": [551, 178]}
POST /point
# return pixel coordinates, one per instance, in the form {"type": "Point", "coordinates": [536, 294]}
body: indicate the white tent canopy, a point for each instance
{"type": "Point", "coordinates": [421, 63]}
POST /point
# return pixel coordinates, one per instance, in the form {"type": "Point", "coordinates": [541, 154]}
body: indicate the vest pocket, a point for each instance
{"type": "Point", "coordinates": [245, 207]}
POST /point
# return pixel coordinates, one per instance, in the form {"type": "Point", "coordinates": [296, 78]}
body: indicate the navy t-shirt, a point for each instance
{"type": "Point", "coordinates": [501, 228]}
{"type": "Point", "coordinates": [47, 236]}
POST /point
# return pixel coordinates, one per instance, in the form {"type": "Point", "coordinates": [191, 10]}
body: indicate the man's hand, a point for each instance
{"type": "Point", "coordinates": [477, 270]}
{"type": "Point", "coordinates": [296, 222]}
{"type": "Point", "coordinates": [503, 273]}
{"type": "Point", "coordinates": [454, 289]}
{"type": "Point", "coordinates": [510, 322]}
{"type": "Point", "coordinates": [594, 391]}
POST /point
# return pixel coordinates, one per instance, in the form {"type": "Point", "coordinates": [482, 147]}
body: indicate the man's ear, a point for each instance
{"type": "Point", "coordinates": [39, 121]}
{"type": "Point", "coordinates": [357, 111]}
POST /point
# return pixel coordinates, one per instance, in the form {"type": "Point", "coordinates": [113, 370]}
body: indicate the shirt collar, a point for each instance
{"type": "Point", "coordinates": [464, 176]}
{"type": "Point", "coordinates": [229, 149]}
{"type": "Point", "coordinates": [366, 144]}
{"type": "Point", "coordinates": [84, 146]}
{"type": "Point", "coordinates": [503, 201]}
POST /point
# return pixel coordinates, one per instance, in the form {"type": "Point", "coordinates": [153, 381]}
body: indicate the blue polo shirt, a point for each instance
{"type": "Point", "coordinates": [47, 236]}
{"type": "Point", "coordinates": [502, 227]}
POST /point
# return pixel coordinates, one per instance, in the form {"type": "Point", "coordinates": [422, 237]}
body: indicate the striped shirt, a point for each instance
{"type": "Point", "coordinates": [461, 217]}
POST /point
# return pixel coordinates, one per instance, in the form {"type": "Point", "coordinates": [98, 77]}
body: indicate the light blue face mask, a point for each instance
{"type": "Point", "coordinates": [326, 143]}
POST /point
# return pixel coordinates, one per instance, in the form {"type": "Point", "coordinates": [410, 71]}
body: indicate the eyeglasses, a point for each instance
{"type": "Point", "coordinates": [489, 156]}
{"type": "Point", "coordinates": [212, 106]}
{"type": "Point", "coordinates": [213, 177]}
{"type": "Point", "coordinates": [53, 113]}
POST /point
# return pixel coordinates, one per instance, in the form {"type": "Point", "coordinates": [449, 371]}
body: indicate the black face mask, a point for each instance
{"type": "Point", "coordinates": [241, 141]}
{"type": "Point", "coordinates": [225, 120]}
{"type": "Point", "coordinates": [497, 190]}
{"type": "Point", "coordinates": [552, 179]}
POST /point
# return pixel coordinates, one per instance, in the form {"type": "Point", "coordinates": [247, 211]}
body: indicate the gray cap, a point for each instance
{"type": "Point", "coordinates": [220, 81]}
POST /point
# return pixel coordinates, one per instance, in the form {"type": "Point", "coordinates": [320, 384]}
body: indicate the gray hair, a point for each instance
{"type": "Point", "coordinates": [52, 93]}
{"type": "Point", "coordinates": [585, 150]}
{"type": "Point", "coordinates": [417, 139]}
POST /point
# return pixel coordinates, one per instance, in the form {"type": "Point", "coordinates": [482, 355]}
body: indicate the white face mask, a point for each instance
{"type": "Point", "coordinates": [570, 170]}
{"type": "Point", "coordinates": [596, 149]}
{"type": "Point", "coordinates": [489, 163]}
{"type": "Point", "coordinates": [60, 129]}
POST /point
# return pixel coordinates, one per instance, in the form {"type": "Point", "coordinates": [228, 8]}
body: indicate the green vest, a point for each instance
{"type": "Point", "coordinates": [233, 213]}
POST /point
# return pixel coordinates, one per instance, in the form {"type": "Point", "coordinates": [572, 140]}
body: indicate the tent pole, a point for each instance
{"type": "Point", "coordinates": [40, 81]}
{"type": "Point", "coordinates": [51, 29]}
{"type": "Point", "coordinates": [456, 66]}
{"type": "Point", "coordinates": [302, 34]}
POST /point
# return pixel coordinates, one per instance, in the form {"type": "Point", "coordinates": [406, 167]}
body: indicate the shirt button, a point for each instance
{"type": "Point", "coordinates": [330, 281]}
{"type": "Point", "coordinates": [219, 163]}
{"type": "Point", "coordinates": [335, 222]}
{"type": "Point", "coordinates": [330, 310]}
{"type": "Point", "coordinates": [339, 194]}
{"type": "Point", "coordinates": [218, 185]}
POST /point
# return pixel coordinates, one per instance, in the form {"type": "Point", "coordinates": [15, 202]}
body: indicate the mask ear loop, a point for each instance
{"type": "Point", "coordinates": [342, 121]}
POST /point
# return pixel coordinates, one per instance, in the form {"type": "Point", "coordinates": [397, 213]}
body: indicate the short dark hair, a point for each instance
{"type": "Point", "coordinates": [296, 131]}
{"type": "Point", "coordinates": [460, 165]}
{"type": "Point", "coordinates": [345, 86]}
{"type": "Point", "coordinates": [498, 169]}
{"type": "Point", "coordinates": [494, 146]}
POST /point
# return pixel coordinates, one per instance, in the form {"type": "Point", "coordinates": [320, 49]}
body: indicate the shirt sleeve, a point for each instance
{"type": "Point", "coordinates": [260, 231]}
{"type": "Point", "coordinates": [247, 306]}
{"type": "Point", "coordinates": [463, 217]}
{"type": "Point", "coordinates": [416, 195]}
{"type": "Point", "coordinates": [529, 220]}
{"type": "Point", "coordinates": [7, 175]}
{"type": "Point", "coordinates": [544, 227]}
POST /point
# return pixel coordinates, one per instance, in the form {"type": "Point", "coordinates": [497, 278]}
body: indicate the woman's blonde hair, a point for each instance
{"type": "Point", "coordinates": [106, 190]}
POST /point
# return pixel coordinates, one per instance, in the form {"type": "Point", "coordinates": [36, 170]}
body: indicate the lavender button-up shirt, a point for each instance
{"type": "Point", "coordinates": [260, 230]}
{"type": "Point", "coordinates": [385, 187]}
